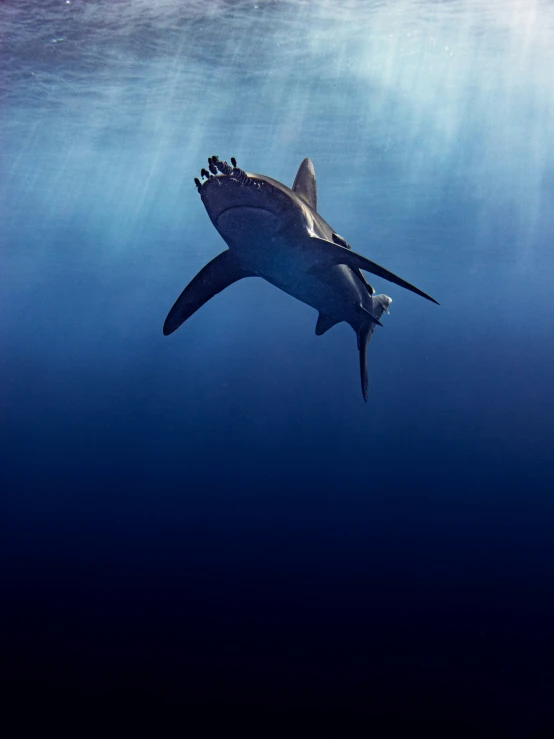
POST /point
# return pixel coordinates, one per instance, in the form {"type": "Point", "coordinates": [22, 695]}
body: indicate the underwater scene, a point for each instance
{"type": "Point", "coordinates": [248, 464]}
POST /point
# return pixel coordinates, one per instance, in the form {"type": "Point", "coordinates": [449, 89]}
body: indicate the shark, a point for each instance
{"type": "Point", "coordinates": [276, 233]}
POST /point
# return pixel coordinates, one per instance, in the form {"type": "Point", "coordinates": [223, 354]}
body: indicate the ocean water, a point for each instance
{"type": "Point", "coordinates": [216, 519]}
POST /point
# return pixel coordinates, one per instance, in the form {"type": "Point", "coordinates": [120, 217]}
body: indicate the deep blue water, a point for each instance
{"type": "Point", "coordinates": [216, 518]}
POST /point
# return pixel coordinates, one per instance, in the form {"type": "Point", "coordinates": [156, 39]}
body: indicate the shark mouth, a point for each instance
{"type": "Point", "coordinates": [220, 170]}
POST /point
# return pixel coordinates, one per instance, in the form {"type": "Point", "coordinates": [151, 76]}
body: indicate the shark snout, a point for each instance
{"type": "Point", "coordinates": [236, 201]}
{"type": "Point", "coordinates": [222, 194]}
{"type": "Point", "coordinates": [222, 174]}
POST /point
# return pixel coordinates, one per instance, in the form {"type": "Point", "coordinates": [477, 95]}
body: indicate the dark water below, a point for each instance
{"type": "Point", "coordinates": [216, 518]}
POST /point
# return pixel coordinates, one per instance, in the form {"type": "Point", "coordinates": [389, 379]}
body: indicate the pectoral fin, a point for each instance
{"type": "Point", "coordinates": [212, 279]}
{"type": "Point", "coordinates": [330, 254]}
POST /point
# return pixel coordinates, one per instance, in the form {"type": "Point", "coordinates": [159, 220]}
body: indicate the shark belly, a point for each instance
{"type": "Point", "coordinates": [278, 250]}
{"type": "Point", "coordinates": [334, 293]}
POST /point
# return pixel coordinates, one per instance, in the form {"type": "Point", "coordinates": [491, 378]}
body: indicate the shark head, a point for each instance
{"type": "Point", "coordinates": [242, 205]}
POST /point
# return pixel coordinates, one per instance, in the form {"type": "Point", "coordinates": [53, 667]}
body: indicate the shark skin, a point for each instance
{"type": "Point", "coordinates": [276, 233]}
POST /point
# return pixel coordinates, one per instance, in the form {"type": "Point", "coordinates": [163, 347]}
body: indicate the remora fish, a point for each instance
{"type": "Point", "coordinates": [276, 233]}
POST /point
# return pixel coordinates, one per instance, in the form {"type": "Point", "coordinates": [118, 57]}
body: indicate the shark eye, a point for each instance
{"type": "Point", "coordinates": [340, 241]}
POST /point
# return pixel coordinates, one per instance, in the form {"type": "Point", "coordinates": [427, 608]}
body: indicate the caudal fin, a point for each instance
{"type": "Point", "coordinates": [380, 304]}
{"type": "Point", "coordinates": [363, 340]}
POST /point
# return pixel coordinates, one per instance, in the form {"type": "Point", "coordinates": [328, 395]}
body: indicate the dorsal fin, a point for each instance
{"type": "Point", "coordinates": [304, 183]}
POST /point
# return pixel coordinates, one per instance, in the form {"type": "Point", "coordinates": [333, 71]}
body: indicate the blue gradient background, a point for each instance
{"type": "Point", "coordinates": [217, 519]}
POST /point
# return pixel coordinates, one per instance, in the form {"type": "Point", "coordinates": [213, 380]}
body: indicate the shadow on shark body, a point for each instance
{"type": "Point", "coordinates": [276, 233]}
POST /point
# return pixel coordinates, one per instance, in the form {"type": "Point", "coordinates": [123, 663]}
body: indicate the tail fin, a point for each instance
{"type": "Point", "coordinates": [380, 304]}
{"type": "Point", "coordinates": [364, 335]}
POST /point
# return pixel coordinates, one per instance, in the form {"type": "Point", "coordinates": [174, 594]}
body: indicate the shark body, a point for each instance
{"type": "Point", "coordinates": [276, 233]}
